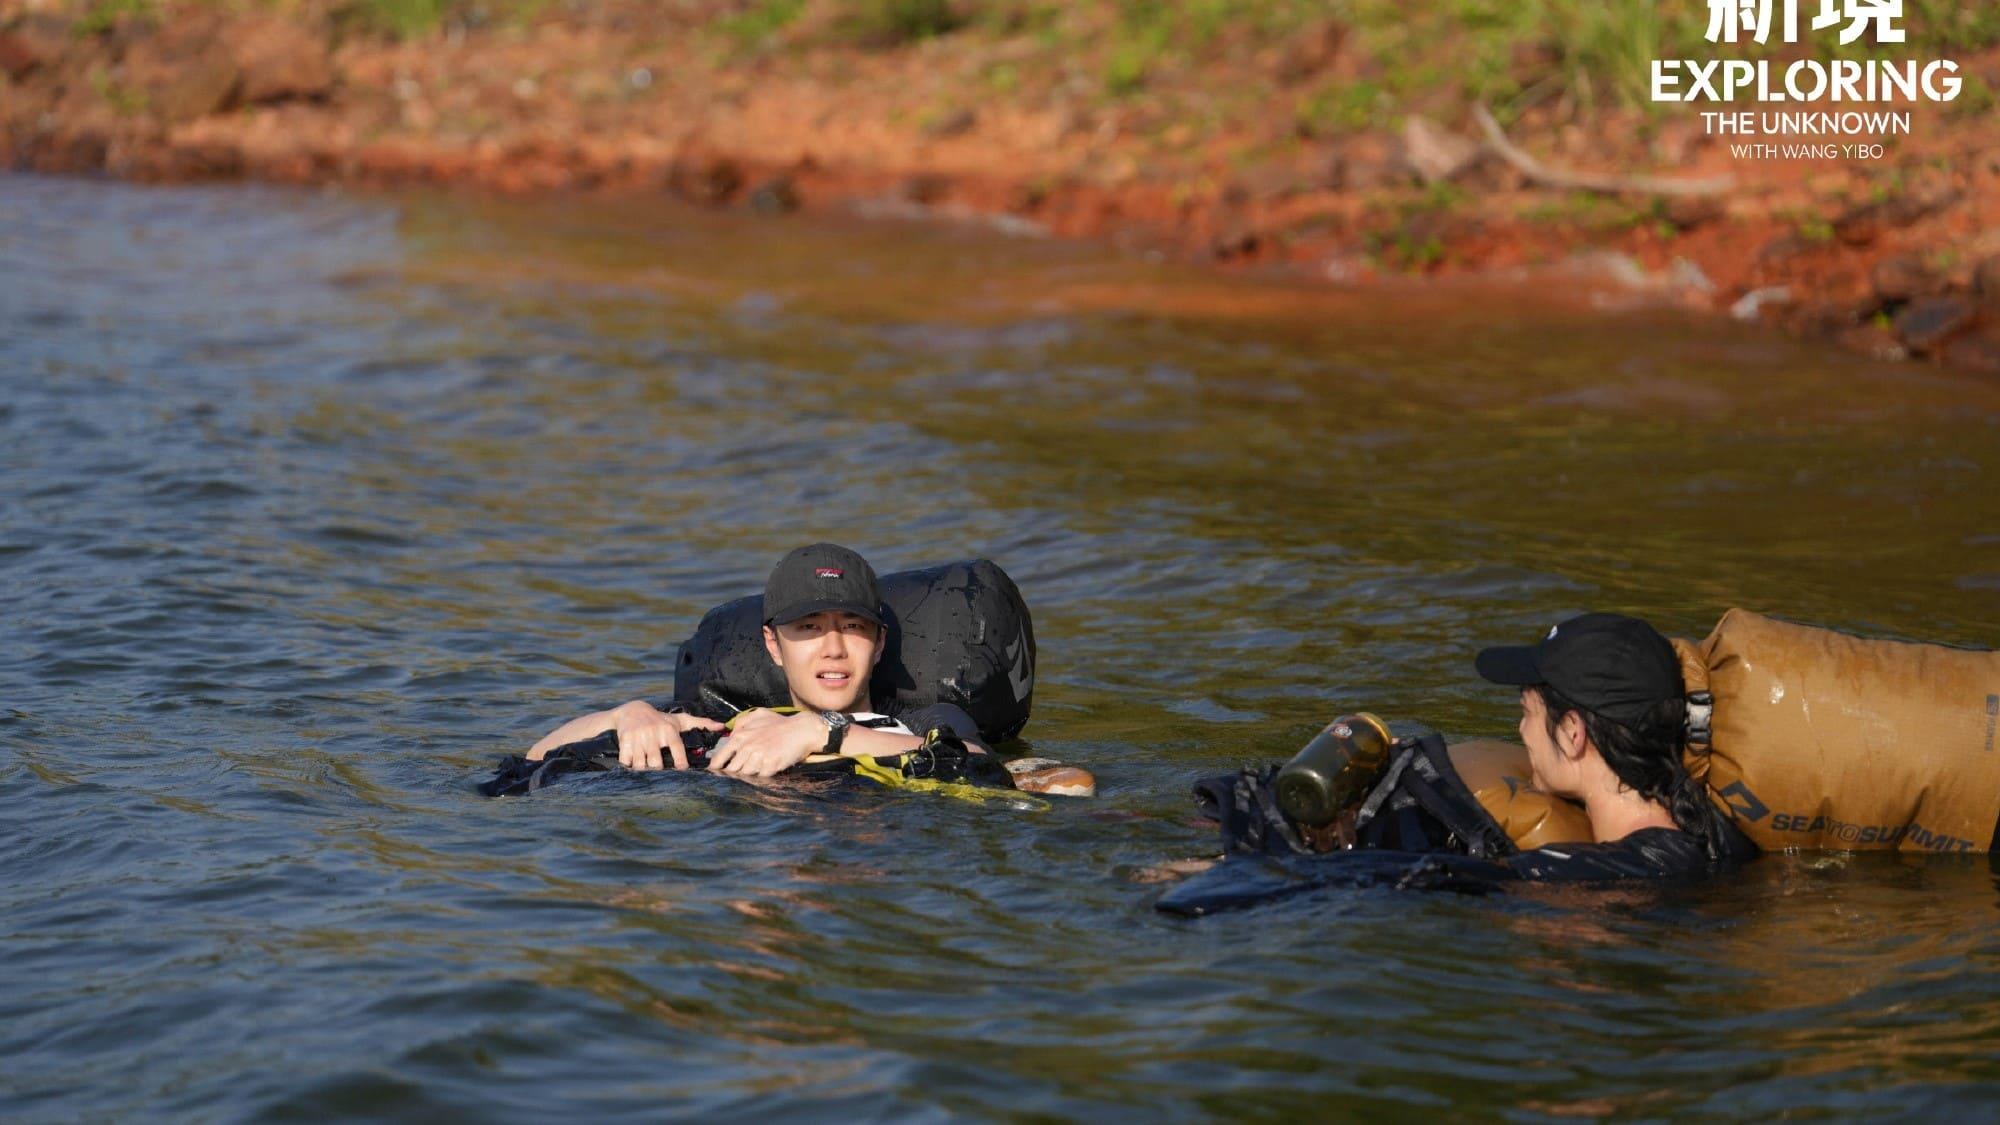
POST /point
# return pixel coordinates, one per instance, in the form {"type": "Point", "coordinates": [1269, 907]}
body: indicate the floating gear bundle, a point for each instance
{"type": "Point", "coordinates": [943, 765]}
{"type": "Point", "coordinates": [959, 633]}
{"type": "Point", "coordinates": [1416, 798]}
{"type": "Point", "coordinates": [1438, 817]}
{"type": "Point", "coordinates": [1350, 759]}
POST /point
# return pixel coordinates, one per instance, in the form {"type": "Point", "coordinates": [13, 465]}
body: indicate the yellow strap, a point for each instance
{"type": "Point", "coordinates": [960, 790]}
{"type": "Point", "coordinates": [894, 778]}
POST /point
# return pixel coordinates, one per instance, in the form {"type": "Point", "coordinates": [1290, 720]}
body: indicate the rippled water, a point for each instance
{"type": "Point", "coordinates": [315, 504]}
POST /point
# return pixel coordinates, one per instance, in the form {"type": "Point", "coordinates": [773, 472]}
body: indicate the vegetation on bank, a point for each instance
{"type": "Point", "coordinates": [1340, 64]}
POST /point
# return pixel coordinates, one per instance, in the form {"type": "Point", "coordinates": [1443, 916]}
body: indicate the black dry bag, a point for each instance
{"type": "Point", "coordinates": [958, 633]}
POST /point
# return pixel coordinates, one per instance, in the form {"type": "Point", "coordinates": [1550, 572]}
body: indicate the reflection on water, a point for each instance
{"type": "Point", "coordinates": [313, 505]}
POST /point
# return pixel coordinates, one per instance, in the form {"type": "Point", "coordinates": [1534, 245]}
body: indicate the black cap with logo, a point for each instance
{"type": "Point", "coordinates": [1617, 666]}
{"type": "Point", "coordinates": [819, 578]}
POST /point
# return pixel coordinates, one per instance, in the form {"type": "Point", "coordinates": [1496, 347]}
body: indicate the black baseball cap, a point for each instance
{"type": "Point", "coordinates": [821, 577]}
{"type": "Point", "coordinates": [1617, 666]}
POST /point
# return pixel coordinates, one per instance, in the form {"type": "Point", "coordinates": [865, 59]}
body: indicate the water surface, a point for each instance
{"type": "Point", "coordinates": [311, 505]}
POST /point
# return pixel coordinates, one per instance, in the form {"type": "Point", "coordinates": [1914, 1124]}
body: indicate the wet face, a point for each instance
{"type": "Point", "coordinates": [827, 658]}
{"type": "Point", "coordinates": [1553, 769]}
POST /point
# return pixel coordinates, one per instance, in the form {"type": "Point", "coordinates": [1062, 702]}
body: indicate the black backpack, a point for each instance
{"type": "Point", "coordinates": [958, 633]}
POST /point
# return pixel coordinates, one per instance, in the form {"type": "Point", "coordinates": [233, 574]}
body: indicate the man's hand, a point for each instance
{"type": "Point", "coordinates": [644, 731]}
{"type": "Point", "coordinates": [763, 743]}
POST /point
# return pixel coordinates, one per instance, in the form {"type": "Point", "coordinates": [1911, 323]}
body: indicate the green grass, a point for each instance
{"type": "Point", "coordinates": [760, 20]}
{"type": "Point", "coordinates": [1502, 50]}
{"type": "Point", "coordinates": [98, 16]}
{"type": "Point", "coordinates": [1130, 64]}
{"type": "Point", "coordinates": [416, 19]}
{"type": "Point", "coordinates": [1403, 249]}
{"type": "Point", "coordinates": [1508, 54]}
{"type": "Point", "coordinates": [1940, 27]}
{"type": "Point", "coordinates": [1148, 37]}
{"type": "Point", "coordinates": [1976, 99]}
{"type": "Point", "coordinates": [894, 22]}
{"type": "Point", "coordinates": [124, 101]}
{"type": "Point", "coordinates": [1601, 53]}
{"type": "Point", "coordinates": [1601, 214]}
{"type": "Point", "coordinates": [864, 23]}
{"type": "Point", "coordinates": [1813, 230]}
{"type": "Point", "coordinates": [1399, 56]}
{"type": "Point", "coordinates": [1003, 78]}
{"type": "Point", "coordinates": [1342, 108]}
{"type": "Point", "coordinates": [400, 19]}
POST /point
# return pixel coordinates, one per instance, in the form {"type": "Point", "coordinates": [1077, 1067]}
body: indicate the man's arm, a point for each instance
{"type": "Point", "coordinates": [644, 731]}
{"type": "Point", "coordinates": [764, 742]}
{"type": "Point", "coordinates": [867, 742]}
{"type": "Point", "coordinates": [576, 730]}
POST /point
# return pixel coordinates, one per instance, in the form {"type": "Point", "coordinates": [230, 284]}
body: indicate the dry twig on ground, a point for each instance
{"type": "Point", "coordinates": [1608, 184]}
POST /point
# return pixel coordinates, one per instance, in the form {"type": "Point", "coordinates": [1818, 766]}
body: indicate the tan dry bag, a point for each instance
{"type": "Point", "coordinates": [1498, 775]}
{"type": "Point", "coordinates": [1824, 740]}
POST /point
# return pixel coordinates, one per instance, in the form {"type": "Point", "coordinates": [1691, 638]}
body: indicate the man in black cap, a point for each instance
{"type": "Point", "coordinates": [823, 626]}
{"type": "Point", "coordinates": [1603, 715]}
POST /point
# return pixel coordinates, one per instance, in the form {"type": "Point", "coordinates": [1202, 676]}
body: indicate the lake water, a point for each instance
{"type": "Point", "coordinates": [312, 505]}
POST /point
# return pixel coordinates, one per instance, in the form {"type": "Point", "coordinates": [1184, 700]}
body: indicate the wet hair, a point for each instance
{"type": "Point", "coordinates": [1647, 757]}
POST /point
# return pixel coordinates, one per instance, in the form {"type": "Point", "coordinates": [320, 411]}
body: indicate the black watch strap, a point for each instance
{"type": "Point", "coordinates": [836, 730]}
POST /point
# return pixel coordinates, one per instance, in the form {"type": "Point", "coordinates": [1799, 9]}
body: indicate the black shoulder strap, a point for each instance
{"type": "Point", "coordinates": [1469, 821]}
{"type": "Point", "coordinates": [1421, 804]}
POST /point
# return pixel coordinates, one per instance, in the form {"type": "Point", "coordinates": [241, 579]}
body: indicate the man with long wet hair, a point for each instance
{"type": "Point", "coordinates": [1603, 715]}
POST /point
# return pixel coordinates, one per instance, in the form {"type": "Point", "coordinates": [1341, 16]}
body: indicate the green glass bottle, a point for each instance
{"type": "Point", "coordinates": [1335, 770]}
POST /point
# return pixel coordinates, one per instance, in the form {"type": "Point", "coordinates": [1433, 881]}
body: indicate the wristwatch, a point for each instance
{"type": "Point", "coordinates": [837, 723]}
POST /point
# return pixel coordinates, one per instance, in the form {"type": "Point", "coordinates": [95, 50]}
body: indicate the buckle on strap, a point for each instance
{"type": "Point", "coordinates": [921, 761]}
{"type": "Point", "coordinates": [1700, 718]}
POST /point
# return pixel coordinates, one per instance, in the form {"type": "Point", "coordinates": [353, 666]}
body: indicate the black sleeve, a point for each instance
{"type": "Point", "coordinates": [1651, 853]}
{"type": "Point", "coordinates": [1250, 880]}
{"type": "Point", "coordinates": [1241, 881]}
{"type": "Point", "coordinates": [1733, 848]}
{"type": "Point", "coordinates": [950, 716]}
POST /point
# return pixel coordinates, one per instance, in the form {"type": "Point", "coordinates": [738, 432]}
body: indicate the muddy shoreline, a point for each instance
{"type": "Point", "coordinates": [1898, 258]}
